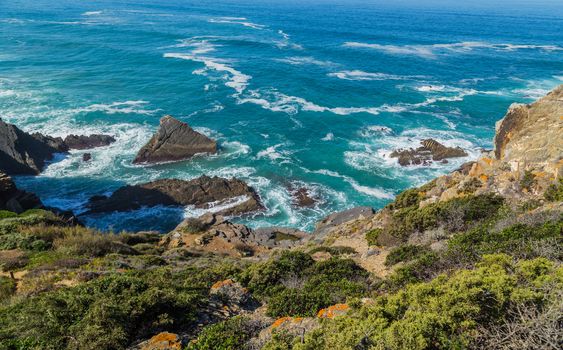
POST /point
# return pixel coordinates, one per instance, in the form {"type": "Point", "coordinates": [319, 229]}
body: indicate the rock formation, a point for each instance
{"type": "Point", "coordinates": [213, 233]}
{"type": "Point", "coordinates": [15, 200]}
{"type": "Point", "coordinates": [532, 133]}
{"type": "Point", "coordinates": [81, 142]}
{"type": "Point", "coordinates": [174, 141]}
{"type": "Point", "coordinates": [234, 196]}
{"type": "Point", "coordinates": [23, 153]}
{"type": "Point", "coordinates": [431, 150]}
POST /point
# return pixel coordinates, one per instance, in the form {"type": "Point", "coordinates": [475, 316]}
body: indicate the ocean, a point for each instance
{"type": "Point", "coordinates": [298, 94]}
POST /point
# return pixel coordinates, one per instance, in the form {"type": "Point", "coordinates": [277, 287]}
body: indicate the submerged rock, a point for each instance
{"type": "Point", "coordinates": [174, 141]}
{"type": "Point", "coordinates": [302, 197]}
{"type": "Point", "coordinates": [232, 195]}
{"type": "Point", "coordinates": [86, 157]}
{"type": "Point", "coordinates": [431, 150]}
{"type": "Point", "coordinates": [86, 142]}
{"type": "Point", "coordinates": [23, 153]}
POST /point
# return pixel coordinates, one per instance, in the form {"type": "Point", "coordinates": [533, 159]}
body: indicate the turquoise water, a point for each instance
{"type": "Point", "coordinates": [312, 94]}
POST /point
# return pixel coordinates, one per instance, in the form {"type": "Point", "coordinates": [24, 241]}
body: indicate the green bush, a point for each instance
{"type": "Point", "coordinates": [7, 288]}
{"type": "Point", "coordinates": [406, 252]}
{"type": "Point", "coordinates": [405, 199]}
{"type": "Point", "coordinates": [334, 250]}
{"type": "Point", "coordinates": [293, 284]}
{"type": "Point", "coordinates": [231, 334]}
{"type": "Point", "coordinates": [443, 313]}
{"type": "Point", "coordinates": [554, 192]}
{"type": "Point", "coordinates": [372, 236]}
{"type": "Point", "coordinates": [528, 180]}
{"type": "Point", "coordinates": [7, 214]}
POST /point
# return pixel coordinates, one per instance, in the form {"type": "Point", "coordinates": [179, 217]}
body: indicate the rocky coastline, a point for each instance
{"type": "Point", "coordinates": [411, 275]}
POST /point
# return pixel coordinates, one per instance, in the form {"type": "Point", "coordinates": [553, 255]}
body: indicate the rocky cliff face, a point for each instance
{"type": "Point", "coordinates": [23, 153]}
{"type": "Point", "coordinates": [532, 134]}
{"type": "Point", "coordinates": [15, 200]}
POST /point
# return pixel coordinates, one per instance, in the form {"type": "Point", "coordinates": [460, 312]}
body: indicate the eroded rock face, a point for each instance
{"type": "Point", "coordinates": [174, 141]}
{"type": "Point", "coordinates": [302, 197]}
{"type": "Point", "coordinates": [23, 153]}
{"type": "Point", "coordinates": [86, 142]}
{"type": "Point", "coordinates": [532, 133]}
{"type": "Point", "coordinates": [431, 150]}
{"type": "Point", "coordinates": [15, 200]}
{"type": "Point", "coordinates": [233, 195]}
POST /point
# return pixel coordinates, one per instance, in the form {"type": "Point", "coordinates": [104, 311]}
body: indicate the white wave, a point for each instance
{"type": "Point", "coordinates": [240, 21]}
{"type": "Point", "coordinates": [431, 51]}
{"type": "Point", "coordinates": [370, 191]}
{"type": "Point", "coordinates": [7, 93]}
{"type": "Point", "coordinates": [284, 35]}
{"type": "Point", "coordinates": [328, 137]}
{"type": "Point", "coordinates": [286, 41]}
{"type": "Point", "coordinates": [135, 107]}
{"type": "Point", "coordinates": [274, 153]}
{"type": "Point", "coordinates": [233, 78]}
{"type": "Point", "coordinates": [375, 131]}
{"type": "Point", "coordinates": [214, 207]}
{"type": "Point", "coordinates": [236, 148]}
{"type": "Point", "coordinates": [216, 107]}
{"type": "Point", "coordinates": [417, 50]}
{"type": "Point", "coordinates": [361, 76]}
{"type": "Point", "coordinates": [305, 60]}
{"type": "Point", "coordinates": [431, 88]}
{"type": "Point", "coordinates": [92, 13]}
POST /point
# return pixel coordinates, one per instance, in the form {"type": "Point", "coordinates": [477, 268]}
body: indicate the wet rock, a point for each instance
{"type": "Point", "coordinates": [431, 150]}
{"type": "Point", "coordinates": [235, 196]}
{"type": "Point", "coordinates": [86, 157]}
{"type": "Point", "coordinates": [174, 141]}
{"type": "Point", "coordinates": [23, 153]}
{"type": "Point", "coordinates": [302, 197]}
{"type": "Point", "coordinates": [15, 200]}
{"type": "Point", "coordinates": [86, 142]}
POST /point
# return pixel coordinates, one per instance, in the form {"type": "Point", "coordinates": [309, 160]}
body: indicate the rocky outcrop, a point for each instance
{"type": "Point", "coordinates": [302, 197]}
{"type": "Point", "coordinates": [232, 195]}
{"type": "Point", "coordinates": [337, 220]}
{"type": "Point", "coordinates": [81, 142]}
{"type": "Point", "coordinates": [174, 141]}
{"type": "Point", "coordinates": [15, 200]}
{"type": "Point", "coordinates": [162, 341]}
{"type": "Point", "coordinates": [212, 233]}
{"type": "Point", "coordinates": [532, 133]}
{"type": "Point", "coordinates": [23, 153]}
{"type": "Point", "coordinates": [431, 150]}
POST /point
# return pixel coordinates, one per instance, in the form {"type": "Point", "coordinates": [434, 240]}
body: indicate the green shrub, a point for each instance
{"type": "Point", "coordinates": [554, 192]}
{"type": "Point", "coordinates": [231, 334]}
{"type": "Point", "coordinates": [293, 284]}
{"type": "Point", "coordinates": [7, 214]}
{"type": "Point", "coordinates": [372, 236]}
{"type": "Point", "coordinates": [443, 313]}
{"type": "Point", "coordinates": [7, 288]}
{"type": "Point", "coordinates": [408, 198]}
{"type": "Point", "coordinates": [334, 250]}
{"type": "Point", "coordinates": [528, 180]}
{"type": "Point", "coordinates": [406, 252]}
{"type": "Point", "coordinates": [471, 186]}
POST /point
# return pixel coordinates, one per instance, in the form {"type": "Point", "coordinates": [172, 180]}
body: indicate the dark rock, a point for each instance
{"type": "Point", "coordinates": [337, 219]}
{"type": "Point", "coordinates": [87, 142]}
{"type": "Point", "coordinates": [174, 141]}
{"type": "Point", "coordinates": [23, 153]}
{"type": "Point", "coordinates": [203, 192]}
{"type": "Point", "coordinates": [15, 200]}
{"type": "Point", "coordinates": [86, 157]}
{"type": "Point", "coordinates": [430, 151]}
{"type": "Point", "coordinates": [302, 197]}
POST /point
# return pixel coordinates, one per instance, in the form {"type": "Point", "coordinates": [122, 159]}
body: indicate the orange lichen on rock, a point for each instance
{"type": "Point", "coordinates": [487, 160]}
{"type": "Point", "coordinates": [483, 178]}
{"type": "Point", "coordinates": [281, 321]}
{"type": "Point", "coordinates": [163, 341]}
{"type": "Point", "coordinates": [220, 284]}
{"type": "Point", "coordinates": [333, 311]}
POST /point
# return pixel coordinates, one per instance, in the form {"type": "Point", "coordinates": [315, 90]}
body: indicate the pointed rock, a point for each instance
{"type": "Point", "coordinates": [174, 141]}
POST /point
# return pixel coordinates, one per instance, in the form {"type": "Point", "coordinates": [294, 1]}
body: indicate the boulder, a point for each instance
{"type": "Point", "coordinates": [86, 157]}
{"type": "Point", "coordinates": [162, 341]}
{"type": "Point", "coordinates": [233, 195]}
{"type": "Point", "coordinates": [431, 150]}
{"type": "Point", "coordinates": [15, 200]}
{"type": "Point", "coordinates": [81, 142]}
{"type": "Point", "coordinates": [174, 141]}
{"type": "Point", "coordinates": [302, 197]}
{"type": "Point", "coordinates": [339, 218]}
{"type": "Point", "coordinates": [23, 153]}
